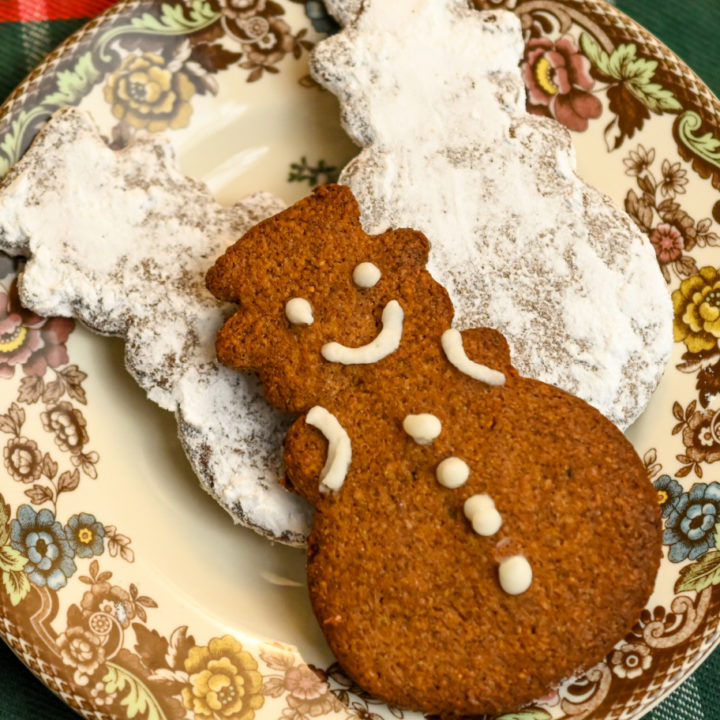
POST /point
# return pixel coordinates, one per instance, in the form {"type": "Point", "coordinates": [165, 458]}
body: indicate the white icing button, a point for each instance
{"type": "Point", "coordinates": [422, 428]}
{"type": "Point", "coordinates": [386, 342]}
{"type": "Point", "coordinates": [480, 510]}
{"type": "Point", "coordinates": [339, 453]}
{"type": "Point", "coordinates": [515, 574]}
{"type": "Point", "coordinates": [299, 311]}
{"type": "Point", "coordinates": [366, 275]}
{"type": "Point", "coordinates": [452, 344]}
{"type": "Point", "coordinates": [452, 472]}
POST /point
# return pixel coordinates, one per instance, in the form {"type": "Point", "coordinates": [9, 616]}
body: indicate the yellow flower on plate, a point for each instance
{"type": "Point", "coordinates": [224, 681]}
{"type": "Point", "coordinates": [696, 305]}
{"type": "Point", "coordinates": [147, 94]}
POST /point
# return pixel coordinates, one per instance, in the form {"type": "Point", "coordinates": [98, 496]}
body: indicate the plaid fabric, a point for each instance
{"type": "Point", "coordinates": [31, 28]}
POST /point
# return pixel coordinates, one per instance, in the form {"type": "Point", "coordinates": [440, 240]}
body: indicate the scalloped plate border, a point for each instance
{"type": "Point", "coordinates": [646, 132]}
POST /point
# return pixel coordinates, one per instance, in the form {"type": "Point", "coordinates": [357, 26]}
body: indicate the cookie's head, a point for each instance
{"type": "Point", "coordinates": [311, 285]}
{"type": "Point", "coordinates": [428, 72]}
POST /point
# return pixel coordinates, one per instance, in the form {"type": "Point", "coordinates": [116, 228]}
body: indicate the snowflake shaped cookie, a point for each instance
{"type": "Point", "coordinates": [122, 240]}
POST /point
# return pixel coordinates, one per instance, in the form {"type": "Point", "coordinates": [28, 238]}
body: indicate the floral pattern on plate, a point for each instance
{"type": "Point", "coordinates": [152, 59]}
{"type": "Point", "coordinates": [70, 581]}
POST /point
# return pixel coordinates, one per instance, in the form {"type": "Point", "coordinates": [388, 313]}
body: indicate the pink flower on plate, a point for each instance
{"type": "Point", "coordinates": [558, 81]}
{"type": "Point", "coordinates": [304, 683]}
{"type": "Point", "coordinates": [28, 340]}
{"type": "Point", "coordinates": [668, 242]}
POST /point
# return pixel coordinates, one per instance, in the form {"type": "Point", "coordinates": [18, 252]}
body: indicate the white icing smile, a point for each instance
{"type": "Point", "coordinates": [339, 453]}
{"type": "Point", "coordinates": [386, 342]}
{"type": "Point", "coordinates": [452, 344]}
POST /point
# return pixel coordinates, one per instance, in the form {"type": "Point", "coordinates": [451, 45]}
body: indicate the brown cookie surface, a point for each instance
{"type": "Point", "coordinates": [408, 593]}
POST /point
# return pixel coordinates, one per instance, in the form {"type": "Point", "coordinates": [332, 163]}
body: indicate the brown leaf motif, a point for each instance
{"type": "Point", "coordinates": [49, 467]}
{"type": "Point", "coordinates": [652, 466]}
{"type": "Point", "coordinates": [118, 544]}
{"type": "Point", "coordinates": [40, 494]}
{"type": "Point", "coordinates": [214, 57]}
{"type": "Point", "coordinates": [639, 210]}
{"type": "Point", "coordinates": [630, 115]}
{"type": "Point", "coordinates": [31, 389]}
{"type": "Point", "coordinates": [53, 391]}
{"type": "Point", "coordinates": [131, 676]}
{"type": "Point", "coordinates": [12, 421]}
{"type": "Point", "coordinates": [708, 383]}
{"type": "Point", "coordinates": [150, 646]}
{"type": "Point", "coordinates": [87, 463]}
{"type": "Point", "coordinates": [179, 647]}
{"type": "Point", "coordinates": [5, 515]}
{"type": "Point", "coordinates": [701, 438]}
{"type": "Point", "coordinates": [68, 481]}
{"type": "Point", "coordinates": [73, 378]}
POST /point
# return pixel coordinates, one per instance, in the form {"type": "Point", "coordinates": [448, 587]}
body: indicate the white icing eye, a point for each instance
{"type": "Point", "coordinates": [299, 311]}
{"type": "Point", "coordinates": [422, 428]}
{"type": "Point", "coordinates": [452, 472]}
{"type": "Point", "coordinates": [366, 275]}
{"type": "Point", "coordinates": [515, 574]}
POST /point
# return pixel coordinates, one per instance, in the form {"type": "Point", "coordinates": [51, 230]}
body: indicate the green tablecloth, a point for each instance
{"type": "Point", "coordinates": [689, 28]}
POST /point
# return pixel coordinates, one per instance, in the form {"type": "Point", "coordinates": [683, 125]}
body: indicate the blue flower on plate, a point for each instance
{"type": "Point", "coordinates": [41, 538]}
{"type": "Point", "coordinates": [668, 490]}
{"type": "Point", "coordinates": [690, 525]}
{"type": "Point", "coordinates": [85, 535]}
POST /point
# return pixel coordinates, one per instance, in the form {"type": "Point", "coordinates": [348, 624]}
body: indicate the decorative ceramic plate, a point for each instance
{"type": "Point", "coordinates": [124, 587]}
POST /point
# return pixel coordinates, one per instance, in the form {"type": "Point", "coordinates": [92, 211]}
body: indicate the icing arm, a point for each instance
{"type": "Point", "coordinates": [304, 454]}
{"type": "Point", "coordinates": [307, 451]}
{"type": "Point", "coordinates": [483, 347]}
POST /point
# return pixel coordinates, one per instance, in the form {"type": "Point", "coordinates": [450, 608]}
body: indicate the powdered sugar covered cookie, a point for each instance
{"type": "Point", "coordinates": [433, 91]}
{"type": "Point", "coordinates": [122, 240]}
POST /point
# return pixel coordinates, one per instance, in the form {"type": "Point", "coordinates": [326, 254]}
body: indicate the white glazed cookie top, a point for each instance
{"type": "Point", "coordinates": [145, 280]}
{"type": "Point", "coordinates": [433, 91]}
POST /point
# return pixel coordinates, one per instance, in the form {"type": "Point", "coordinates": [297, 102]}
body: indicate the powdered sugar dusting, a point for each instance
{"type": "Point", "coordinates": [433, 91]}
{"type": "Point", "coordinates": [122, 241]}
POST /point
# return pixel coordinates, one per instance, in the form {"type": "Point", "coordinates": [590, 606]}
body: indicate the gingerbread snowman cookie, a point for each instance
{"type": "Point", "coordinates": [458, 561]}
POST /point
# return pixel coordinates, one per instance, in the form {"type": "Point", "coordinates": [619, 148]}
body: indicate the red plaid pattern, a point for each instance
{"type": "Point", "coordinates": [30, 10]}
